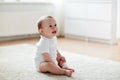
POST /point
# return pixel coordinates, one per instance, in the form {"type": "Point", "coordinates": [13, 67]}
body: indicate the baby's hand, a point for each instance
{"type": "Point", "coordinates": [62, 59]}
{"type": "Point", "coordinates": [60, 63]}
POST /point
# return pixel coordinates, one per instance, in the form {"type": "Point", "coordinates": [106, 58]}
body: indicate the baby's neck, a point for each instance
{"type": "Point", "coordinates": [47, 37]}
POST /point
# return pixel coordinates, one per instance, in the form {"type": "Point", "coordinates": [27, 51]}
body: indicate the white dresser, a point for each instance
{"type": "Point", "coordinates": [18, 20]}
{"type": "Point", "coordinates": [93, 20]}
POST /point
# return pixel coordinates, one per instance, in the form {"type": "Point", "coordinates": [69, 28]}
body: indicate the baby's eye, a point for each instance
{"type": "Point", "coordinates": [50, 25]}
{"type": "Point", "coordinates": [55, 24]}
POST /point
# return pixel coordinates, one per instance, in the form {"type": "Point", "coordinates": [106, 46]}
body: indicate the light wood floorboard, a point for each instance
{"type": "Point", "coordinates": [99, 50]}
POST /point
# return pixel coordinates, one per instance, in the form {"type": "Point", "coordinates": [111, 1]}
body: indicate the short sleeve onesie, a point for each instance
{"type": "Point", "coordinates": [45, 45]}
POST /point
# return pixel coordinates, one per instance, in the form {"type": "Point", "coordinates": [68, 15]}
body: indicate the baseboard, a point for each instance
{"type": "Point", "coordinates": [5, 38]}
{"type": "Point", "coordinates": [89, 39]}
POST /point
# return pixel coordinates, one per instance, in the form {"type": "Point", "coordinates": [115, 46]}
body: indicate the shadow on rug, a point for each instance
{"type": "Point", "coordinates": [16, 63]}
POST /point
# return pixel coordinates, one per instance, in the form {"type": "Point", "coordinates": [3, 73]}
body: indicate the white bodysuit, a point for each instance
{"type": "Point", "coordinates": [45, 45]}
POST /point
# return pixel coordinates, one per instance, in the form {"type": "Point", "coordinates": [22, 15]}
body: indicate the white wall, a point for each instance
{"type": "Point", "coordinates": [59, 13]}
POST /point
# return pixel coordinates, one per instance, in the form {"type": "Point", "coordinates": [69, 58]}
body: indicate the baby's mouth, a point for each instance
{"type": "Point", "coordinates": [54, 32]}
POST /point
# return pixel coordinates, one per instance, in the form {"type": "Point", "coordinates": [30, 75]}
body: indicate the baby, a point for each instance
{"type": "Point", "coordinates": [48, 58]}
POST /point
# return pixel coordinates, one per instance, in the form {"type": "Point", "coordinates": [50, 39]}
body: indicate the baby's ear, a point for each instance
{"type": "Point", "coordinates": [40, 31]}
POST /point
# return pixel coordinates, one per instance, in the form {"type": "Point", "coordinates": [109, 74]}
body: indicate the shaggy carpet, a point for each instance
{"type": "Point", "coordinates": [16, 63]}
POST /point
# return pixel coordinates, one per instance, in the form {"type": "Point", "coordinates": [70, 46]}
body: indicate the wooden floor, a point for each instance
{"type": "Point", "coordinates": [99, 50]}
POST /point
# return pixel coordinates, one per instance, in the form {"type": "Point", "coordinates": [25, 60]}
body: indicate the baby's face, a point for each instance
{"type": "Point", "coordinates": [49, 28]}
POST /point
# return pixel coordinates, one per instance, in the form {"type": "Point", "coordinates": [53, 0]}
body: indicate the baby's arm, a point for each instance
{"type": "Point", "coordinates": [61, 60]}
{"type": "Point", "coordinates": [60, 57]}
{"type": "Point", "coordinates": [47, 57]}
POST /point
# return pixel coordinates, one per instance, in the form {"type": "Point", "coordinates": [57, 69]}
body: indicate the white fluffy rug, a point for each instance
{"type": "Point", "coordinates": [16, 63]}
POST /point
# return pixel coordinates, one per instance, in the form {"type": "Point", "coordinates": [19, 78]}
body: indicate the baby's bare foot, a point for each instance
{"type": "Point", "coordinates": [69, 73]}
{"type": "Point", "coordinates": [70, 69]}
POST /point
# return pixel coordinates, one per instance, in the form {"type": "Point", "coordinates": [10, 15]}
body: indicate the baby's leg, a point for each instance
{"type": "Point", "coordinates": [54, 69]}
